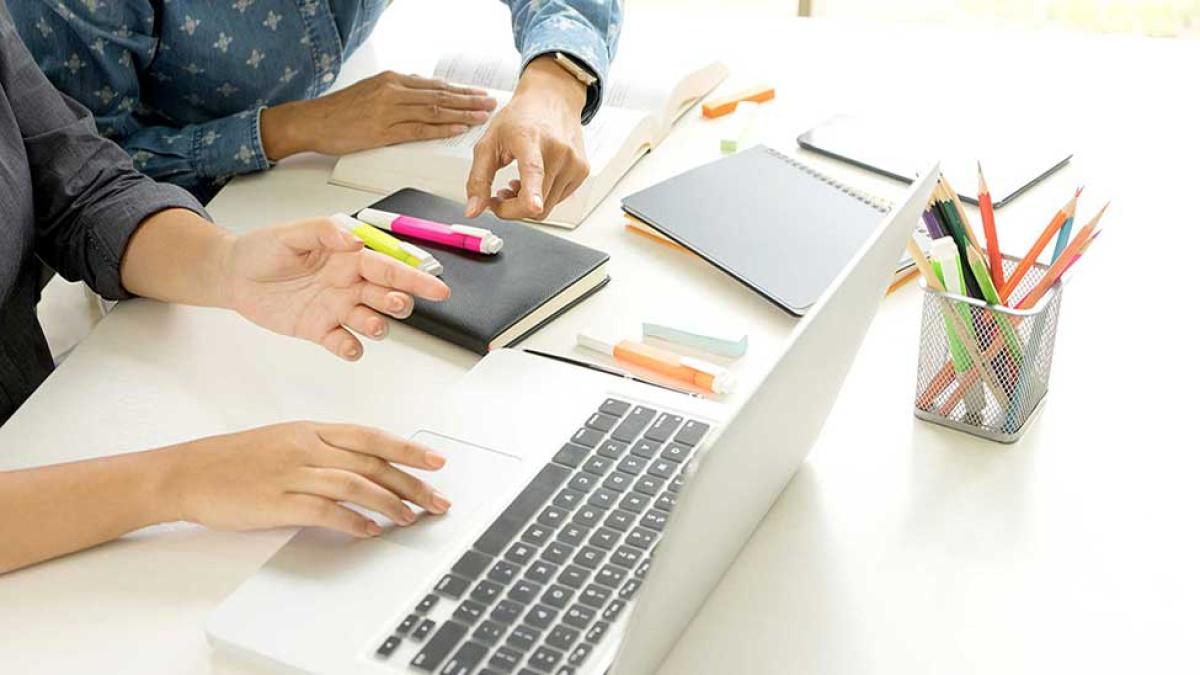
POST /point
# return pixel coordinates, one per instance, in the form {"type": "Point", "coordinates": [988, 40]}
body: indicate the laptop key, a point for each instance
{"type": "Point", "coordinates": [505, 660]}
{"type": "Point", "coordinates": [583, 481]}
{"type": "Point", "coordinates": [675, 452]}
{"type": "Point", "coordinates": [588, 516]}
{"type": "Point", "coordinates": [612, 449]}
{"type": "Point", "coordinates": [537, 533]}
{"type": "Point", "coordinates": [595, 596]}
{"type": "Point", "coordinates": [662, 468]}
{"type": "Point", "coordinates": [648, 485]}
{"type": "Point", "coordinates": [524, 591]}
{"type": "Point", "coordinates": [601, 422]}
{"type": "Point", "coordinates": [438, 647]}
{"type": "Point", "coordinates": [645, 449]}
{"type": "Point", "coordinates": [620, 519]}
{"type": "Point", "coordinates": [603, 498]}
{"type": "Point", "coordinates": [541, 617]}
{"type": "Point", "coordinates": [469, 611]}
{"type": "Point", "coordinates": [557, 596]}
{"type": "Point", "coordinates": [655, 520]}
{"type": "Point", "coordinates": [489, 632]}
{"type": "Point", "coordinates": [626, 556]}
{"type": "Point", "coordinates": [503, 572]}
{"type": "Point", "coordinates": [587, 437]}
{"type": "Point", "coordinates": [521, 509]}
{"type": "Point", "coordinates": [557, 552]}
{"type": "Point", "coordinates": [562, 637]}
{"type": "Point", "coordinates": [618, 481]}
{"type": "Point", "coordinates": [541, 572]}
{"type": "Point", "coordinates": [507, 612]}
{"type": "Point", "coordinates": [664, 427]}
{"type": "Point", "coordinates": [629, 589]}
{"type": "Point", "coordinates": [568, 499]}
{"type": "Point", "coordinates": [631, 427]}
{"type": "Point", "coordinates": [589, 557]}
{"type": "Point", "coordinates": [597, 466]}
{"type": "Point", "coordinates": [544, 659]}
{"type": "Point", "coordinates": [676, 485]}
{"type": "Point", "coordinates": [613, 610]}
{"type": "Point", "coordinates": [389, 645]}
{"type": "Point", "coordinates": [642, 569]}
{"type": "Point", "coordinates": [471, 565]}
{"type": "Point", "coordinates": [579, 654]}
{"type": "Point", "coordinates": [635, 501]}
{"type": "Point", "coordinates": [631, 465]}
{"type": "Point", "coordinates": [552, 516]}
{"type": "Point", "coordinates": [571, 455]}
{"type": "Point", "coordinates": [573, 576]}
{"type": "Point", "coordinates": [465, 659]}
{"type": "Point", "coordinates": [519, 553]}
{"type": "Point", "coordinates": [615, 407]}
{"type": "Point", "coordinates": [640, 537]}
{"type": "Point", "coordinates": [427, 603]}
{"type": "Point", "coordinates": [611, 576]}
{"type": "Point", "coordinates": [666, 502]}
{"type": "Point", "coordinates": [423, 630]}
{"type": "Point", "coordinates": [604, 538]}
{"type": "Point", "coordinates": [451, 585]}
{"type": "Point", "coordinates": [691, 433]}
{"type": "Point", "coordinates": [523, 638]}
{"type": "Point", "coordinates": [572, 534]}
{"type": "Point", "coordinates": [596, 632]}
{"type": "Point", "coordinates": [486, 592]}
{"type": "Point", "coordinates": [579, 616]}
{"type": "Point", "coordinates": [407, 624]}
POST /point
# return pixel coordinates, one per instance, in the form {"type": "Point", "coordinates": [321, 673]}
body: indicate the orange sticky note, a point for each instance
{"type": "Point", "coordinates": [727, 104]}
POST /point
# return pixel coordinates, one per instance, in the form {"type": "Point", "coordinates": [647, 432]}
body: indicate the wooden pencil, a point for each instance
{"type": "Point", "coordinates": [988, 215]}
{"type": "Point", "coordinates": [1031, 257]}
{"type": "Point", "coordinates": [1069, 255]}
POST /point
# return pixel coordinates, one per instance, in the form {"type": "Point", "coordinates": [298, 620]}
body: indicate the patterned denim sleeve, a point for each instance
{"type": "Point", "coordinates": [586, 29]}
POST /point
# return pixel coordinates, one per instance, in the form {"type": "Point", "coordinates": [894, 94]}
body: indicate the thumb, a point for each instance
{"type": "Point", "coordinates": [318, 233]}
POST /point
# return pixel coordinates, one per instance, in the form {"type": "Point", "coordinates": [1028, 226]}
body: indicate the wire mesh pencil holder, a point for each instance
{"type": "Point", "coordinates": [983, 369]}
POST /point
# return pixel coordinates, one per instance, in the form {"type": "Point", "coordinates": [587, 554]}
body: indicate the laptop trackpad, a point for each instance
{"type": "Point", "coordinates": [473, 477]}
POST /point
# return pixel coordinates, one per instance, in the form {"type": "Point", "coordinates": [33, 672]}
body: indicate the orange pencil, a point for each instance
{"type": "Point", "coordinates": [1075, 249]}
{"type": "Point", "coordinates": [1030, 258]}
{"type": "Point", "coordinates": [995, 260]}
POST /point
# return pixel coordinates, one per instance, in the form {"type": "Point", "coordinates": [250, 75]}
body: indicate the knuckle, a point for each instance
{"type": "Point", "coordinates": [435, 111]}
{"type": "Point", "coordinates": [375, 468]}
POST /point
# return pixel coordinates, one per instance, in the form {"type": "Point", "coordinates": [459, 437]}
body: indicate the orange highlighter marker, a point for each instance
{"type": "Point", "coordinates": [727, 104]}
{"type": "Point", "coordinates": [702, 374]}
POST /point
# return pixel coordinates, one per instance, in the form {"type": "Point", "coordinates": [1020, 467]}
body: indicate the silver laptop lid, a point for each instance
{"type": "Point", "coordinates": [744, 469]}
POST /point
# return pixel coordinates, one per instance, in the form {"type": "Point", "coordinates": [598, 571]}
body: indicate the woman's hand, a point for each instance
{"type": "Point", "coordinates": [314, 281]}
{"type": "Point", "coordinates": [382, 110]}
{"type": "Point", "coordinates": [300, 474]}
{"type": "Point", "coordinates": [539, 129]}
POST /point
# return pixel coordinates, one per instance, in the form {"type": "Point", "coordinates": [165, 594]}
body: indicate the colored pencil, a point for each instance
{"type": "Point", "coordinates": [1075, 249]}
{"type": "Point", "coordinates": [932, 226]}
{"type": "Point", "coordinates": [988, 214]}
{"type": "Point", "coordinates": [959, 211]}
{"type": "Point", "coordinates": [1031, 257]}
{"type": "Point", "coordinates": [959, 234]}
{"type": "Point", "coordinates": [1064, 235]}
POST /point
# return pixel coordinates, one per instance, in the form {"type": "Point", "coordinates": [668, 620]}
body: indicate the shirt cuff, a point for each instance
{"type": "Point", "coordinates": [577, 39]}
{"type": "Point", "coordinates": [230, 145]}
{"type": "Point", "coordinates": [111, 223]}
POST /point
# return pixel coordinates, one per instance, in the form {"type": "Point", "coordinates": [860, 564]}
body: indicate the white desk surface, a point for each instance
{"type": "Point", "coordinates": [899, 547]}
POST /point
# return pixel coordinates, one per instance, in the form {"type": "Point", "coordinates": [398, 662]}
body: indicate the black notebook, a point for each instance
{"type": "Point", "coordinates": [771, 222]}
{"type": "Point", "coordinates": [498, 300]}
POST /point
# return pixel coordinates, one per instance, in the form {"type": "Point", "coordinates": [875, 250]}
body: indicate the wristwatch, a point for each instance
{"type": "Point", "coordinates": [584, 74]}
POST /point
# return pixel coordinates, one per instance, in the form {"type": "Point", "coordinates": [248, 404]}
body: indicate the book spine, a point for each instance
{"type": "Point", "coordinates": [432, 325]}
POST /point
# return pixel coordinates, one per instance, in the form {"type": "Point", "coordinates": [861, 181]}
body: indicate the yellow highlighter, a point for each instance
{"type": "Point", "coordinates": [378, 240]}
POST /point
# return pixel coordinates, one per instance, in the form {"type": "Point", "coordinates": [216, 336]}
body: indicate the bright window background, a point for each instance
{"type": "Point", "coordinates": [1146, 17]}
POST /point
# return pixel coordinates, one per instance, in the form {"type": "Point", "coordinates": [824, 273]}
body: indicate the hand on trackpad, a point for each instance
{"type": "Point", "coordinates": [472, 477]}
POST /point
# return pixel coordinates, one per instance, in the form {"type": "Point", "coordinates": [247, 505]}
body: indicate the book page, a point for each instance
{"type": "Point", "coordinates": [480, 70]}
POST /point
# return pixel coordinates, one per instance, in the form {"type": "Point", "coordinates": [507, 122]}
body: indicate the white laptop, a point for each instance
{"type": "Point", "coordinates": [567, 484]}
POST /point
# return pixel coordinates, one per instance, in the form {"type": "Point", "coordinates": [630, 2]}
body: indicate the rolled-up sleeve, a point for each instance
{"type": "Point", "coordinates": [588, 30]}
{"type": "Point", "coordinates": [89, 199]}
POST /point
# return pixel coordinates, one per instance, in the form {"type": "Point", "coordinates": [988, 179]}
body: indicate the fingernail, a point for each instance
{"type": "Point", "coordinates": [459, 129]}
{"type": "Point", "coordinates": [440, 503]}
{"type": "Point", "coordinates": [537, 203]}
{"type": "Point", "coordinates": [352, 352]}
{"type": "Point", "coordinates": [406, 518]}
{"type": "Point", "coordinates": [380, 327]}
{"type": "Point", "coordinates": [473, 205]}
{"type": "Point", "coordinates": [479, 116]}
{"type": "Point", "coordinates": [373, 528]}
{"type": "Point", "coordinates": [434, 460]}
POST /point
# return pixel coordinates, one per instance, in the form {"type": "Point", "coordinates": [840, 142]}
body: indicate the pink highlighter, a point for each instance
{"type": "Point", "coordinates": [477, 239]}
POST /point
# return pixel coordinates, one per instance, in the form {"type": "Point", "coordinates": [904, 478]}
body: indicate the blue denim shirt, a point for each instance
{"type": "Point", "coordinates": [181, 85]}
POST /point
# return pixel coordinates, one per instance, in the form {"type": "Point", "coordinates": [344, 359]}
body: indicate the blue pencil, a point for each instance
{"type": "Point", "coordinates": [1064, 234]}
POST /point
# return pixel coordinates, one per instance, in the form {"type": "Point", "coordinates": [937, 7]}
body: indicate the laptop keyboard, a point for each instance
{"type": "Point", "coordinates": [541, 586]}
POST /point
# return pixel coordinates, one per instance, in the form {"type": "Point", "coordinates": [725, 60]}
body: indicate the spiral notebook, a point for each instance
{"type": "Point", "coordinates": [773, 223]}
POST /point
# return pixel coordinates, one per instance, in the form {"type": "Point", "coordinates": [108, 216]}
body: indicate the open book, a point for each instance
{"type": "Point", "coordinates": [640, 106]}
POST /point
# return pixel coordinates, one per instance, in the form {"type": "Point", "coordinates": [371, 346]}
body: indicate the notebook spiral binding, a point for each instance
{"type": "Point", "coordinates": [877, 203]}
